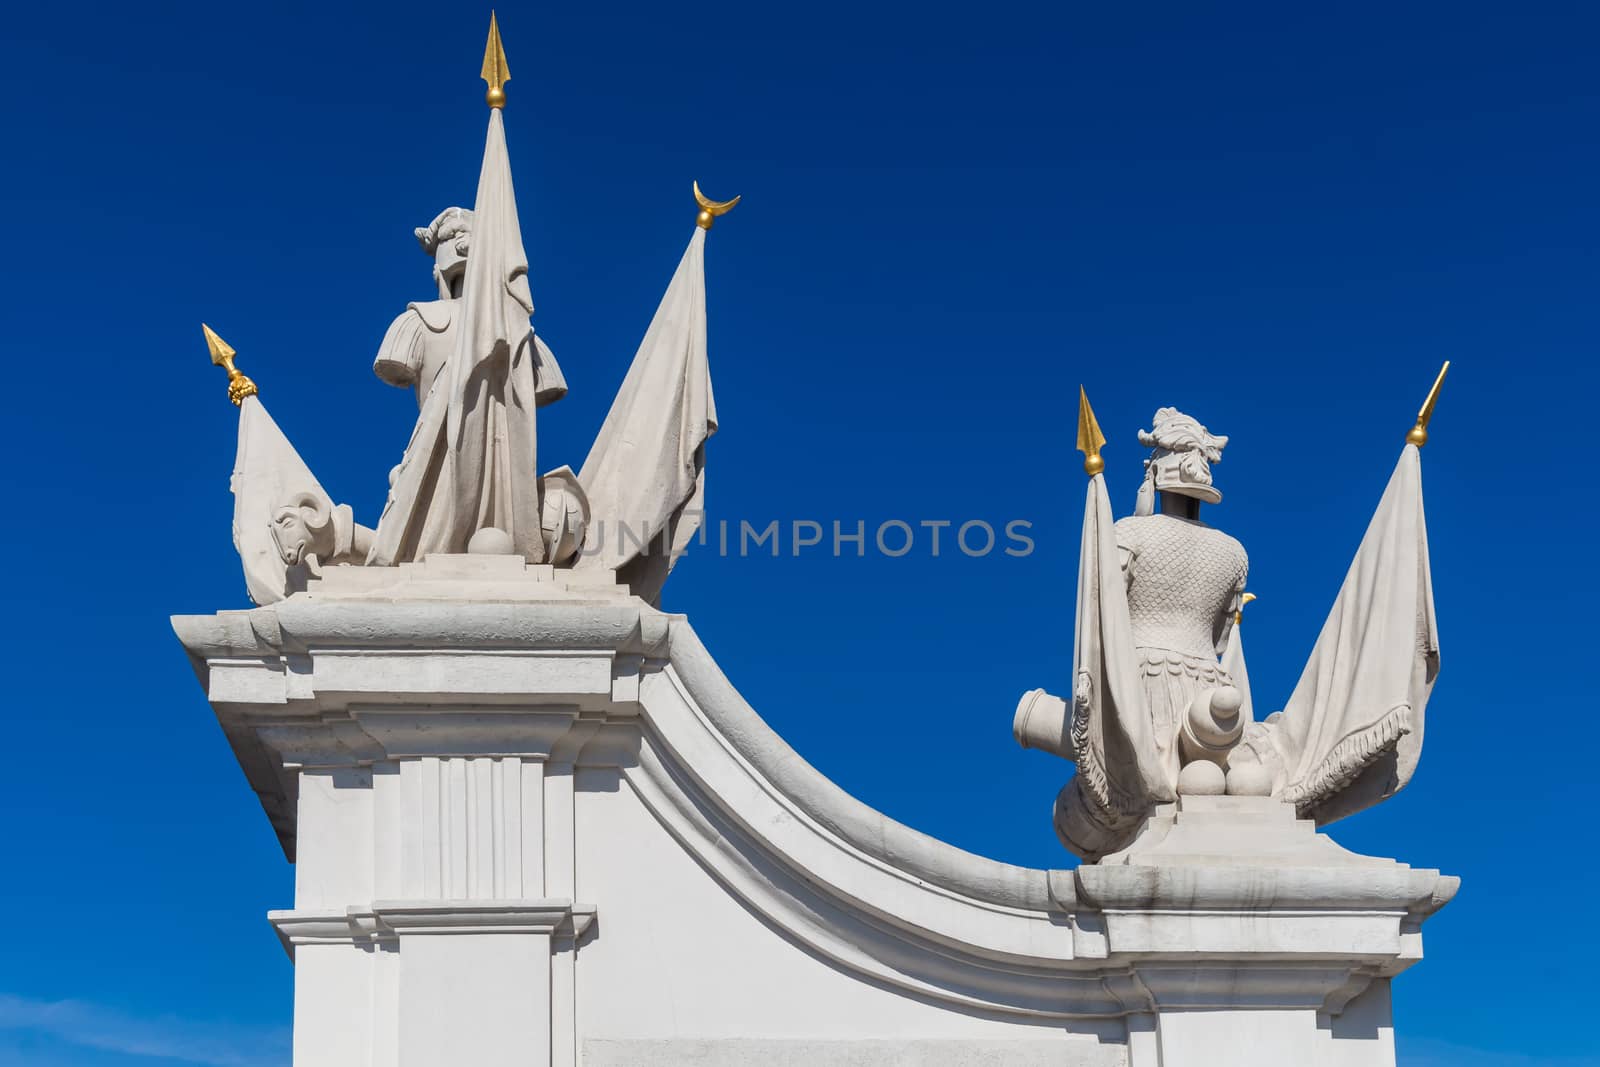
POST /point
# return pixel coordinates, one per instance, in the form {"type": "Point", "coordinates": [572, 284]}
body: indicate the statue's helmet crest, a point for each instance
{"type": "Point", "coordinates": [447, 239]}
{"type": "Point", "coordinates": [451, 222]}
{"type": "Point", "coordinates": [1181, 457]}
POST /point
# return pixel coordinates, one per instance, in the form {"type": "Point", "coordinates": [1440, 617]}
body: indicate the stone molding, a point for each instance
{"type": "Point", "coordinates": [388, 919]}
{"type": "Point", "coordinates": [549, 916]}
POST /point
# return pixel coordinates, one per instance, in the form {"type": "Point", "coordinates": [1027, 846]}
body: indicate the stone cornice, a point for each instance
{"type": "Point", "coordinates": [301, 625]}
{"type": "Point", "coordinates": [1257, 888]}
{"type": "Point", "coordinates": [444, 917]}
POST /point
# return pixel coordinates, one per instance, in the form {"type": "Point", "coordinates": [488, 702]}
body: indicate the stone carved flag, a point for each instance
{"type": "Point", "coordinates": [645, 474]}
{"type": "Point", "coordinates": [1120, 774]}
{"type": "Point", "coordinates": [267, 474]}
{"type": "Point", "coordinates": [1351, 732]}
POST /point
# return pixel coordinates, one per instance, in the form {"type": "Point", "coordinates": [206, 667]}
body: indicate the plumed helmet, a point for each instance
{"type": "Point", "coordinates": [1181, 457]}
{"type": "Point", "coordinates": [451, 222]}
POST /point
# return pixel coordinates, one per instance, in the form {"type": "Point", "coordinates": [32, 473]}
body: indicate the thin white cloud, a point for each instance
{"type": "Point", "coordinates": [209, 1044]}
{"type": "Point", "coordinates": [1423, 1052]}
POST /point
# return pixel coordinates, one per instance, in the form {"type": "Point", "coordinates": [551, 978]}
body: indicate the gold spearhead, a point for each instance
{"type": "Point", "coordinates": [1419, 433]}
{"type": "Point", "coordinates": [711, 210]}
{"type": "Point", "coordinates": [495, 71]}
{"type": "Point", "coordinates": [1090, 439]}
{"type": "Point", "coordinates": [222, 354]}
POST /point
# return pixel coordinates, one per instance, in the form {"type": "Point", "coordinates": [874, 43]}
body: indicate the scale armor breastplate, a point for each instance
{"type": "Point", "coordinates": [1182, 576]}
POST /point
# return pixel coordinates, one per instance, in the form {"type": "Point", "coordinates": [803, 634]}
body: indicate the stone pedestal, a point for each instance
{"type": "Point", "coordinates": [1257, 939]}
{"type": "Point", "coordinates": [533, 823]}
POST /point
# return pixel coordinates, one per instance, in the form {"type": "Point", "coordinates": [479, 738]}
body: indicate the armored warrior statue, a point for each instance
{"type": "Point", "coordinates": [1184, 581]}
{"type": "Point", "coordinates": [467, 482]}
{"type": "Point", "coordinates": [1160, 702]}
{"type": "Point", "coordinates": [419, 343]}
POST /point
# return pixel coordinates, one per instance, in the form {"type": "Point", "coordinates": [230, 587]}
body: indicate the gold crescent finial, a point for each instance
{"type": "Point", "coordinates": [1419, 433]}
{"type": "Point", "coordinates": [495, 71]}
{"type": "Point", "coordinates": [1238, 615]}
{"type": "Point", "coordinates": [222, 354]}
{"type": "Point", "coordinates": [1090, 439]}
{"type": "Point", "coordinates": [710, 210]}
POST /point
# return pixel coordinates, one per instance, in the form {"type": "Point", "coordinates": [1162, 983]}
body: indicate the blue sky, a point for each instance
{"type": "Point", "coordinates": [1280, 218]}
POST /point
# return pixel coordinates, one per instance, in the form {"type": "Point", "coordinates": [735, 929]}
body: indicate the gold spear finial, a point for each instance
{"type": "Point", "coordinates": [1419, 433]}
{"type": "Point", "coordinates": [495, 71]}
{"type": "Point", "coordinates": [222, 354]}
{"type": "Point", "coordinates": [1090, 439]}
{"type": "Point", "coordinates": [1238, 615]}
{"type": "Point", "coordinates": [710, 210]}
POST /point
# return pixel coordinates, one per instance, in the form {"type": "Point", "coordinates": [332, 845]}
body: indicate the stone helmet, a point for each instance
{"type": "Point", "coordinates": [564, 515]}
{"type": "Point", "coordinates": [447, 239]}
{"type": "Point", "coordinates": [1180, 461]}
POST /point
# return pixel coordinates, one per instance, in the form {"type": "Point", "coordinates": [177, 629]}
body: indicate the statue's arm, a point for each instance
{"type": "Point", "coordinates": [551, 383]}
{"type": "Point", "coordinates": [399, 358]}
{"type": "Point", "coordinates": [1127, 552]}
{"type": "Point", "coordinates": [1230, 614]}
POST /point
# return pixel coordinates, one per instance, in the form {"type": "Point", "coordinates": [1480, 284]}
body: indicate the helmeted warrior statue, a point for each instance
{"type": "Point", "coordinates": [1161, 704]}
{"type": "Point", "coordinates": [421, 339]}
{"type": "Point", "coordinates": [467, 481]}
{"type": "Point", "coordinates": [1184, 579]}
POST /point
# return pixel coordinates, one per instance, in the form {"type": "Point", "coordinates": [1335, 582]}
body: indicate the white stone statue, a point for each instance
{"type": "Point", "coordinates": [1161, 707]}
{"type": "Point", "coordinates": [466, 482]}
{"type": "Point", "coordinates": [419, 343]}
{"type": "Point", "coordinates": [1184, 579]}
{"type": "Point", "coordinates": [471, 461]}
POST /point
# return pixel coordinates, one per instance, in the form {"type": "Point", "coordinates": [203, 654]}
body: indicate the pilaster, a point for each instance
{"type": "Point", "coordinates": [430, 780]}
